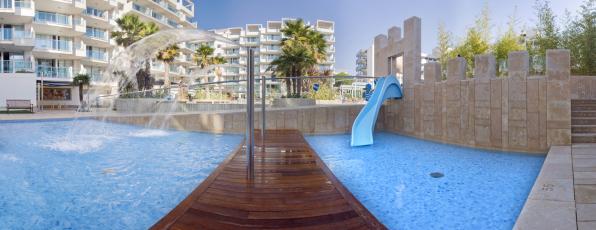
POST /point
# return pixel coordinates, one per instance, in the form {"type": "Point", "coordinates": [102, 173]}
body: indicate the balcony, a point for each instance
{"type": "Point", "coordinates": [148, 14]}
{"type": "Point", "coordinates": [96, 37]}
{"type": "Point", "coordinates": [97, 18]}
{"type": "Point", "coordinates": [62, 6]}
{"type": "Point", "coordinates": [17, 11]}
{"type": "Point", "coordinates": [54, 73]}
{"type": "Point", "coordinates": [163, 7]}
{"type": "Point", "coordinates": [63, 46]}
{"type": "Point", "coordinates": [97, 55]}
{"type": "Point", "coordinates": [16, 66]}
{"type": "Point", "coordinates": [59, 24]}
{"type": "Point", "coordinates": [17, 38]}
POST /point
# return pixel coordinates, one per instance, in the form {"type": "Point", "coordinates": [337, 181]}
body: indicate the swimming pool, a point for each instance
{"type": "Point", "coordinates": [86, 174]}
{"type": "Point", "coordinates": [480, 189]}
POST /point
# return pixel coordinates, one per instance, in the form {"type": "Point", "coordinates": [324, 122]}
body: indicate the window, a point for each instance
{"type": "Point", "coordinates": [94, 12]}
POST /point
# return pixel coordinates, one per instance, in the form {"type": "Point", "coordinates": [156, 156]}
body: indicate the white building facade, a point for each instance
{"type": "Point", "coordinates": [51, 41]}
{"type": "Point", "coordinates": [265, 40]}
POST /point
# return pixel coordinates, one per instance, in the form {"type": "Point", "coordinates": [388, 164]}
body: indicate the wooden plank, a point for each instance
{"type": "Point", "coordinates": [292, 188]}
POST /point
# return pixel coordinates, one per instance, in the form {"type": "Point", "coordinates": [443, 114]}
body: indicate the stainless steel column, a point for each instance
{"type": "Point", "coordinates": [250, 122]}
{"type": "Point", "coordinates": [263, 94]}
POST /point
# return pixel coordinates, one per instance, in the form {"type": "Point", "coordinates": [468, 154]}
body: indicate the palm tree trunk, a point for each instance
{"type": "Point", "coordinates": [81, 93]}
{"type": "Point", "coordinates": [299, 85]}
{"type": "Point", "coordinates": [166, 81]}
{"type": "Point", "coordinates": [288, 87]}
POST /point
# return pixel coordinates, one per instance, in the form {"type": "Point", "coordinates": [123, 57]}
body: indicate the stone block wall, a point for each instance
{"type": "Point", "coordinates": [583, 87]}
{"type": "Point", "coordinates": [517, 113]}
{"type": "Point", "coordinates": [332, 119]}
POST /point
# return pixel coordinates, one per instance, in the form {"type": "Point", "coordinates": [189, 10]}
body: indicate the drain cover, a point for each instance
{"type": "Point", "coordinates": [436, 175]}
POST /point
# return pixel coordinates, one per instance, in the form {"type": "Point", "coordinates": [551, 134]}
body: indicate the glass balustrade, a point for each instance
{"type": "Point", "coordinates": [5, 4]}
{"type": "Point", "coordinates": [16, 66]}
{"type": "Point", "coordinates": [96, 55]}
{"type": "Point", "coordinates": [22, 4]}
{"type": "Point", "coordinates": [54, 72]}
{"type": "Point", "coordinates": [54, 18]}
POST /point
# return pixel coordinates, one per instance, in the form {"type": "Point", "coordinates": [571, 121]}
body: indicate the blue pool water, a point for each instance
{"type": "Point", "coordinates": [480, 189]}
{"type": "Point", "coordinates": [86, 174]}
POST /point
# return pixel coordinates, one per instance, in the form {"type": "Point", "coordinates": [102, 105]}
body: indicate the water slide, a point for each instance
{"type": "Point", "coordinates": [364, 125]}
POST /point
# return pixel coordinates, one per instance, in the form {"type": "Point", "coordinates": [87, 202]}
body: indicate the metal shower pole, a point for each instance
{"type": "Point", "coordinates": [250, 122]}
{"type": "Point", "coordinates": [263, 94]}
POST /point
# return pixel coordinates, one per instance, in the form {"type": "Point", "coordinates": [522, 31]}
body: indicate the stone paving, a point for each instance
{"type": "Point", "coordinates": [564, 194]}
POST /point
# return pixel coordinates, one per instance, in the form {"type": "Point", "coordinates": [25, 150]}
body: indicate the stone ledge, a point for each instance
{"type": "Point", "coordinates": [551, 203]}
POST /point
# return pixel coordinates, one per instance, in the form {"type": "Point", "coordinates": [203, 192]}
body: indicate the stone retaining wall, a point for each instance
{"type": "Point", "coordinates": [518, 112]}
{"type": "Point", "coordinates": [583, 87]}
{"type": "Point", "coordinates": [147, 105]}
{"type": "Point", "coordinates": [331, 119]}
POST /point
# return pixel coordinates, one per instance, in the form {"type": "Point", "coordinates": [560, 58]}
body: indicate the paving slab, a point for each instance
{"type": "Point", "coordinates": [584, 178]}
{"type": "Point", "coordinates": [542, 214]}
{"type": "Point", "coordinates": [586, 212]}
{"type": "Point", "coordinates": [553, 190]}
{"type": "Point", "coordinates": [586, 225]}
{"type": "Point", "coordinates": [585, 194]}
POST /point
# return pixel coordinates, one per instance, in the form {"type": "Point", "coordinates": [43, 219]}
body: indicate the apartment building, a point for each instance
{"type": "Point", "coordinates": [362, 62]}
{"type": "Point", "coordinates": [45, 43]}
{"type": "Point", "coordinates": [265, 40]}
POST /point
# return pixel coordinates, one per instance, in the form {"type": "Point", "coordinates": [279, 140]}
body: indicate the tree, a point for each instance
{"type": "Point", "coordinates": [472, 45]}
{"type": "Point", "coordinates": [132, 29]}
{"type": "Point", "coordinates": [302, 48]}
{"type": "Point", "coordinates": [482, 22]}
{"type": "Point", "coordinates": [167, 56]}
{"type": "Point", "coordinates": [203, 56]}
{"type": "Point", "coordinates": [586, 39]}
{"type": "Point", "coordinates": [444, 38]}
{"type": "Point", "coordinates": [81, 79]}
{"type": "Point", "coordinates": [546, 33]}
{"type": "Point", "coordinates": [508, 42]}
{"type": "Point", "coordinates": [343, 81]}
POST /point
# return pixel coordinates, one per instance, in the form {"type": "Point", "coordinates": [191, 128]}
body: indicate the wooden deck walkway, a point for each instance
{"type": "Point", "coordinates": [292, 189]}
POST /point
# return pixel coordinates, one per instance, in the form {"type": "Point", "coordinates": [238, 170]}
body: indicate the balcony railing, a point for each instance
{"type": "Point", "coordinates": [97, 34]}
{"type": "Point", "coordinates": [4, 4]}
{"type": "Point", "coordinates": [96, 55]}
{"type": "Point", "coordinates": [16, 66]}
{"type": "Point", "coordinates": [54, 72]}
{"type": "Point", "coordinates": [44, 17]}
{"type": "Point", "coordinates": [22, 4]}
{"type": "Point", "coordinates": [50, 44]}
{"type": "Point", "coordinates": [96, 13]}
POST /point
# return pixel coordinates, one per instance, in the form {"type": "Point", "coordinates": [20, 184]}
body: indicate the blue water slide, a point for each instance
{"type": "Point", "coordinates": [364, 125]}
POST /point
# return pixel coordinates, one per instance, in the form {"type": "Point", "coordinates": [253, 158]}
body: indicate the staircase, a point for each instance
{"type": "Point", "coordinates": [583, 121]}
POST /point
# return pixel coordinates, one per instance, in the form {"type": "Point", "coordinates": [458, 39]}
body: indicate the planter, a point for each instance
{"type": "Point", "coordinates": [293, 102]}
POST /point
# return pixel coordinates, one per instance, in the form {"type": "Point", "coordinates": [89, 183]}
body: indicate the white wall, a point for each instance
{"type": "Point", "coordinates": [17, 86]}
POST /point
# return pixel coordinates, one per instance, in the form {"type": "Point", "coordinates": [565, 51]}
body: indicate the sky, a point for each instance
{"type": "Point", "coordinates": [357, 22]}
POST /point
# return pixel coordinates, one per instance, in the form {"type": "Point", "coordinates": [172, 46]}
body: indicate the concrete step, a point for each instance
{"type": "Point", "coordinates": [583, 102]}
{"type": "Point", "coordinates": [583, 108]}
{"type": "Point", "coordinates": [583, 129]}
{"type": "Point", "coordinates": [583, 121]}
{"type": "Point", "coordinates": [583, 138]}
{"type": "Point", "coordinates": [583, 113]}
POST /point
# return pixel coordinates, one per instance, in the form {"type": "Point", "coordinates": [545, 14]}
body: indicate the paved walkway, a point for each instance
{"type": "Point", "coordinates": [564, 194]}
{"type": "Point", "coordinates": [292, 189]}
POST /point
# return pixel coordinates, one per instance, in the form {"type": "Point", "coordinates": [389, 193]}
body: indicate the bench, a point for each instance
{"type": "Point", "coordinates": [18, 104]}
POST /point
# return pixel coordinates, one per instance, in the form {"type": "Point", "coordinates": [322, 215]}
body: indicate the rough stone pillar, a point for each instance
{"type": "Point", "coordinates": [380, 56]}
{"type": "Point", "coordinates": [412, 50]}
{"type": "Point", "coordinates": [484, 70]}
{"type": "Point", "coordinates": [432, 75]}
{"type": "Point", "coordinates": [519, 67]}
{"type": "Point", "coordinates": [558, 98]}
{"type": "Point", "coordinates": [456, 72]}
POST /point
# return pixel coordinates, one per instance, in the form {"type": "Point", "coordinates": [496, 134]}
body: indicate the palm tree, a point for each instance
{"type": "Point", "coordinates": [81, 79]}
{"type": "Point", "coordinates": [203, 56]}
{"type": "Point", "coordinates": [302, 48]}
{"type": "Point", "coordinates": [167, 56]}
{"type": "Point", "coordinates": [132, 29]}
